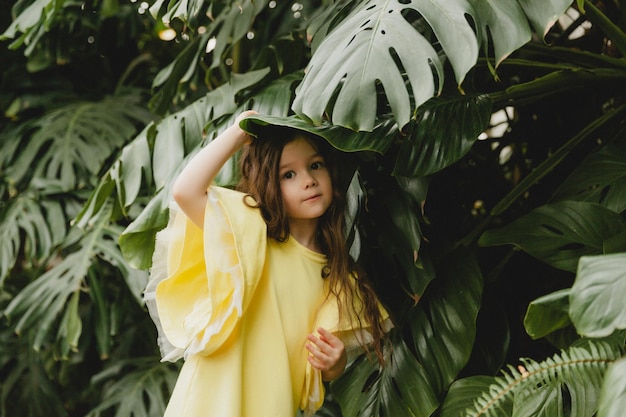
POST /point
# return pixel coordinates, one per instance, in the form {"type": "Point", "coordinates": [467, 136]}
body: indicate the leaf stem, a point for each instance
{"type": "Point", "coordinates": [612, 31]}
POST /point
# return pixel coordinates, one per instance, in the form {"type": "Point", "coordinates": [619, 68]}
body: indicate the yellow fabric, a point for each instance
{"type": "Point", "coordinates": [238, 307]}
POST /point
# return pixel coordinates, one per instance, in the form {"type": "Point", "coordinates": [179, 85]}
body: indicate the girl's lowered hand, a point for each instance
{"type": "Point", "coordinates": [327, 353]}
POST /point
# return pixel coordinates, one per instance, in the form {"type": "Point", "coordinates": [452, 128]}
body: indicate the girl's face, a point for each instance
{"type": "Point", "coordinates": [305, 182]}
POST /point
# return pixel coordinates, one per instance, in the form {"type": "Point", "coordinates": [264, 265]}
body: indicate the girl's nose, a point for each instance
{"type": "Point", "coordinates": [309, 180]}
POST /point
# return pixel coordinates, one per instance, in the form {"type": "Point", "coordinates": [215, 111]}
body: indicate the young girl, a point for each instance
{"type": "Point", "coordinates": [258, 292]}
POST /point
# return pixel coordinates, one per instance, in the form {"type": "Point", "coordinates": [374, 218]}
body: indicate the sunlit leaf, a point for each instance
{"type": "Point", "coordinates": [378, 43]}
{"type": "Point", "coordinates": [598, 294]}
{"type": "Point", "coordinates": [613, 394]}
{"type": "Point", "coordinates": [543, 14]}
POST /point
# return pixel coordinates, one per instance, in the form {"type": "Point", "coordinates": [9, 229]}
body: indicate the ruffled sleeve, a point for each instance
{"type": "Point", "coordinates": [353, 333]}
{"type": "Point", "coordinates": [202, 281]}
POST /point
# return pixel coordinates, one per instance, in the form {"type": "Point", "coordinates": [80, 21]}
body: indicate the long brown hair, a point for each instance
{"type": "Point", "coordinates": [259, 180]}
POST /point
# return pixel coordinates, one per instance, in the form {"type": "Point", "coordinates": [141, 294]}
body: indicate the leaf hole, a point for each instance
{"type": "Point", "coordinates": [603, 193]}
{"type": "Point", "coordinates": [552, 229]}
{"type": "Point", "coordinates": [371, 380]}
{"type": "Point", "coordinates": [471, 22]}
{"type": "Point", "coordinates": [574, 246]}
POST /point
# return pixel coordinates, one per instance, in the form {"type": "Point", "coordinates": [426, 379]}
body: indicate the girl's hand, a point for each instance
{"type": "Point", "coordinates": [242, 116]}
{"type": "Point", "coordinates": [327, 353]}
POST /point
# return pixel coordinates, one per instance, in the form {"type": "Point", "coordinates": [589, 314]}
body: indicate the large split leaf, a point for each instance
{"type": "Point", "coordinates": [71, 143]}
{"type": "Point", "coordinates": [508, 25]}
{"type": "Point", "coordinates": [559, 234]}
{"type": "Point", "coordinates": [365, 390]}
{"type": "Point", "coordinates": [36, 309]}
{"type": "Point", "coordinates": [501, 27]}
{"type": "Point", "coordinates": [443, 327]}
{"type": "Point", "coordinates": [399, 49]}
{"type": "Point", "coordinates": [377, 43]}
{"type": "Point", "coordinates": [29, 227]}
{"type": "Point", "coordinates": [156, 154]}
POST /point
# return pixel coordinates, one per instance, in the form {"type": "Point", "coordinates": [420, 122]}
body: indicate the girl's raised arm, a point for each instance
{"type": "Point", "coordinates": [190, 188]}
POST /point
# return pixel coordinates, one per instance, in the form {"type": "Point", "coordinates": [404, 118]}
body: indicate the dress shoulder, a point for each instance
{"type": "Point", "coordinates": [202, 281]}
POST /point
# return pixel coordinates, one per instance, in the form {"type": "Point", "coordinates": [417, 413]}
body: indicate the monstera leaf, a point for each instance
{"type": "Point", "coordinates": [559, 234]}
{"type": "Point", "coordinates": [377, 44]}
{"type": "Point", "coordinates": [30, 225]}
{"type": "Point", "coordinates": [600, 179]}
{"type": "Point", "coordinates": [71, 143]}
{"type": "Point", "coordinates": [443, 328]}
{"type": "Point", "coordinates": [399, 48]}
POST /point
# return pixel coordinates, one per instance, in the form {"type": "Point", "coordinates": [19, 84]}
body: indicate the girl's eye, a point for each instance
{"type": "Point", "coordinates": [317, 165]}
{"type": "Point", "coordinates": [288, 175]}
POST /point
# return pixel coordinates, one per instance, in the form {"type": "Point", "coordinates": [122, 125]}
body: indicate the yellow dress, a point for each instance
{"type": "Point", "coordinates": [238, 307]}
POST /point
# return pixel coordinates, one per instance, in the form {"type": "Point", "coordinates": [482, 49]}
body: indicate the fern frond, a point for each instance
{"type": "Point", "coordinates": [542, 388]}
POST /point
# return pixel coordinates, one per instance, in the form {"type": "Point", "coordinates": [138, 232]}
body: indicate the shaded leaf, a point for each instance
{"type": "Point", "coordinates": [547, 314]}
{"type": "Point", "coordinates": [37, 307]}
{"type": "Point", "coordinates": [32, 226]}
{"type": "Point", "coordinates": [559, 234]}
{"type": "Point", "coordinates": [139, 392]}
{"type": "Point", "coordinates": [598, 294]}
{"type": "Point", "coordinates": [443, 325]}
{"type": "Point", "coordinates": [465, 391]}
{"type": "Point", "coordinates": [341, 138]}
{"type": "Point", "coordinates": [72, 142]}
{"type": "Point", "coordinates": [599, 179]}
{"type": "Point", "coordinates": [366, 390]}
{"type": "Point", "coordinates": [435, 143]}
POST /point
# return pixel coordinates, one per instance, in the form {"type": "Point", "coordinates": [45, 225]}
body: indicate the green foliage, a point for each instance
{"type": "Point", "coordinates": [596, 295]}
{"type": "Point", "coordinates": [466, 223]}
{"type": "Point", "coordinates": [570, 380]}
{"type": "Point", "coordinates": [399, 48]}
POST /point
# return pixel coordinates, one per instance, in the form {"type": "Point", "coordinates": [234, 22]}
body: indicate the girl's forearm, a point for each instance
{"type": "Point", "coordinates": [190, 188]}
